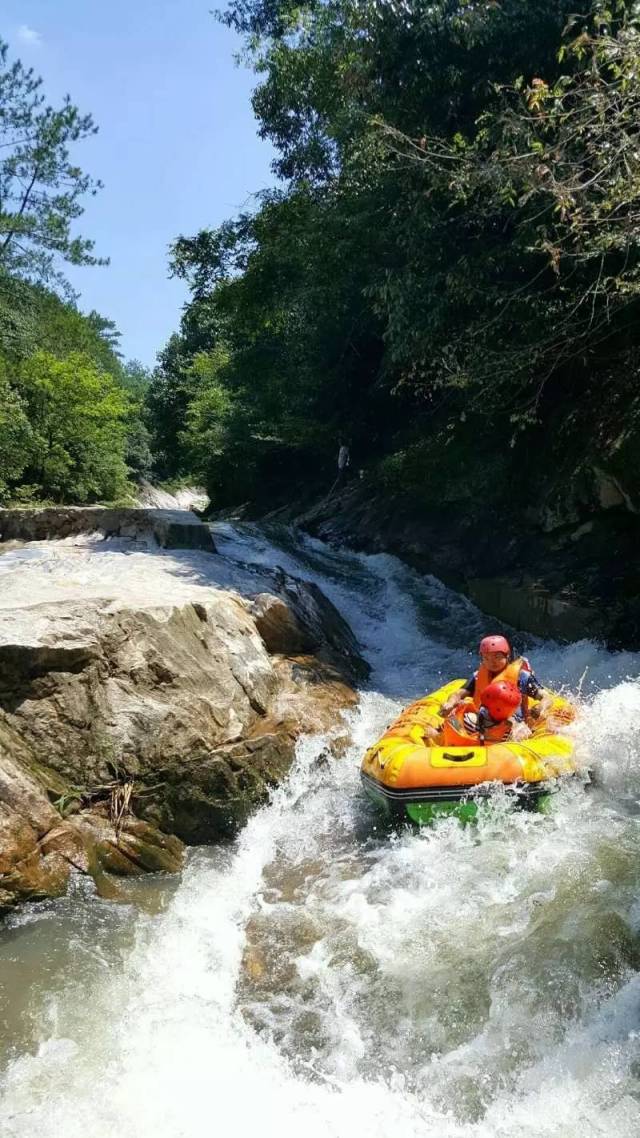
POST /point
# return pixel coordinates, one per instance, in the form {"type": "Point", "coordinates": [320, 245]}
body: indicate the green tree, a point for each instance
{"type": "Point", "coordinates": [531, 234]}
{"type": "Point", "coordinates": [282, 296]}
{"type": "Point", "coordinates": [175, 384]}
{"type": "Point", "coordinates": [327, 69]}
{"type": "Point", "coordinates": [136, 379]}
{"type": "Point", "coordinates": [41, 187]}
{"type": "Point", "coordinates": [77, 415]}
{"type": "Point", "coordinates": [205, 436]}
{"type": "Point", "coordinates": [16, 439]}
{"type": "Point", "coordinates": [34, 318]}
{"type": "Point", "coordinates": [71, 413]}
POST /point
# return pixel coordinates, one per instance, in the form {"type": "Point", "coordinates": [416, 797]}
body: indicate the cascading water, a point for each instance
{"type": "Point", "coordinates": [321, 975]}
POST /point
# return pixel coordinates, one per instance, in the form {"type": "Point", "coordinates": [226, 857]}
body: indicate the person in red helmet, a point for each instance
{"type": "Point", "coordinates": [496, 664]}
{"type": "Point", "coordinates": [494, 722]}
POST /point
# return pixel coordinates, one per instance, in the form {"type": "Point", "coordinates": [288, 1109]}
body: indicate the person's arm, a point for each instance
{"type": "Point", "coordinates": [483, 721]}
{"type": "Point", "coordinates": [519, 730]}
{"type": "Point", "coordinates": [542, 709]}
{"type": "Point", "coordinates": [534, 690]}
{"type": "Point", "coordinates": [465, 692]}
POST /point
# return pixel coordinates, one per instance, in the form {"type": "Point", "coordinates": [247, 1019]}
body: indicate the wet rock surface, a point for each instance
{"type": "Point", "coordinates": [565, 566]}
{"type": "Point", "coordinates": [299, 619]}
{"type": "Point", "coordinates": [128, 728]}
{"type": "Point", "coordinates": [40, 848]}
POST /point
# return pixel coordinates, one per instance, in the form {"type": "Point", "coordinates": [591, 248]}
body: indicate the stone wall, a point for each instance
{"type": "Point", "coordinates": [171, 529]}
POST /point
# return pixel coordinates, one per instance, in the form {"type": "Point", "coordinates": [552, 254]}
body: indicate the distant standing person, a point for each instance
{"type": "Point", "coordinates": [343, 463]}
{"type": "Point", "coordinates": [344, 459]}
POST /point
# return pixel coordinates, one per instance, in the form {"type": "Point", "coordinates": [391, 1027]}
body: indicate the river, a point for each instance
{"type": "Point", "coordinates": [323, 976]}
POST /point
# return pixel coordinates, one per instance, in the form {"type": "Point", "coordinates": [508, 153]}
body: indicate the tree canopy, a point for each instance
{"type": "Point", "coordinates": [72, 417]}
{"type": "Point", "coordinates": [453, 238]}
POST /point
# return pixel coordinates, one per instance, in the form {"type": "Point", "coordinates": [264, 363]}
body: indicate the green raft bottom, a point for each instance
{"type": "Point", "coordinates": [424, 813]}
{"type": "Point", "coordinates": [466, 811]}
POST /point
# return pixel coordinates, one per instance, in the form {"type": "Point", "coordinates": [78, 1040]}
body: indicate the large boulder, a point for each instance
{"type": "Point", "coordinates": [126, 729]}
{"type": "Point", "coordinates": [301, 620]}
{"type": "Point", "coordinates": [103, 689]}
{"type": "Point", "coordinates": [40, 848]}
{"type": "Point", "coordinates": [26, 816]}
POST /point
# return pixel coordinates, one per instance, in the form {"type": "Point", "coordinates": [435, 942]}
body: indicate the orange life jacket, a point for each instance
{"type": "Point", "coordinates": [511, 673]}
{"type": "Point", "coordinates": [455, 734]}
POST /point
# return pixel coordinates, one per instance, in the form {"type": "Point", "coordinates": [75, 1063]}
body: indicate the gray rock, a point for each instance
{"type": "Point", "coordinates": [564, 567]}
{"type": "Point", "coordinates": [171, 529]}
{"type": "Point", "coordinates": [194, 708]}
{"type": "Point", "coordinates": [302, 620]}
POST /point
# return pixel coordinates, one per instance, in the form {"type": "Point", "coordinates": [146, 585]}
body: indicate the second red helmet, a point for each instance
{"type": "Point", "coordinates": [501, 699]}
{"type": "Point", "coordinates": [494, 644]}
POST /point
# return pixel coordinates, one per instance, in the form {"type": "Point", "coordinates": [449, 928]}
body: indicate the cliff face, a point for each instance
{"type": "Point", "coordinates": [129, 726]}
{"type": "Point", "coordinates": [546, 540]}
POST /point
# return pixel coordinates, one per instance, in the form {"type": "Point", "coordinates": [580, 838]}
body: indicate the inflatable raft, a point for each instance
{"type": "Point", "coordinates": [414, 780]}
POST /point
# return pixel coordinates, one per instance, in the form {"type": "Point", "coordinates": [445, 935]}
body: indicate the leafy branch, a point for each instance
{"type": "Point", "coordinates": [41, 187]}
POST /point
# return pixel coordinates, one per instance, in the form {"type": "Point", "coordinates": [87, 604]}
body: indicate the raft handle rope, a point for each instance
{"type": "Point", "coordinates": [458, 758]}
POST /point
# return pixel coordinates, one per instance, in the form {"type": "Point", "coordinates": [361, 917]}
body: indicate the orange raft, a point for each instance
{"type": "Point", "coordinates": [410, 778]}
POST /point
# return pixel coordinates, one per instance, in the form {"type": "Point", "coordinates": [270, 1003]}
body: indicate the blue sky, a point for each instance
{"type": "Point", "coordinates": [177, 147]}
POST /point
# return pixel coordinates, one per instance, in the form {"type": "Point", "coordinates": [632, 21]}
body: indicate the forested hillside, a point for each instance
{"type": "Point", "coordinates": [71, 413]}
{"type": "Point", "coordinates": [446, 273]}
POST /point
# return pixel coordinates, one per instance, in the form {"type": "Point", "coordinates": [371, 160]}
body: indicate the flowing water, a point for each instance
{"type": "Point", "coordinates": [322, 975]}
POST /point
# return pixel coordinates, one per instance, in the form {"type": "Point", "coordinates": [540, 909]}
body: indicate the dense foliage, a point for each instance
{"type": "Point", "coordinates": [72, 423]}
{"type": "Point", "coordinates": [453, 247]}
{"type": "Point", "coordinates": [75, 414]}
{"type": "Point", "coordinates": [71, 414]}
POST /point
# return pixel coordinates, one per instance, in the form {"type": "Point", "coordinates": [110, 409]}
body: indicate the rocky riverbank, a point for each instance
{"type": "Point", "coordinates": [147, 698]}
{"type": "Point", "coordinates": [563, 564]}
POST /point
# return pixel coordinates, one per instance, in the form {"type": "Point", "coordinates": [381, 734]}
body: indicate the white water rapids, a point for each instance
{"type": "Point", "coordinates": [322, 976]}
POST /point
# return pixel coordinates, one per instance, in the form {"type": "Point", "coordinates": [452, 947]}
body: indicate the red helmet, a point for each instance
{"type": "Point", "coordinates": [494, 644]}
{"type": "Point", "coordinates": [501, 698]}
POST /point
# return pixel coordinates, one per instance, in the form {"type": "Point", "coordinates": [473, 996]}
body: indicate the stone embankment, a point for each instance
{"type": "Point", "coordinates": [129, 724]}
{"type": "Point", "coordinates": [171, 529]}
